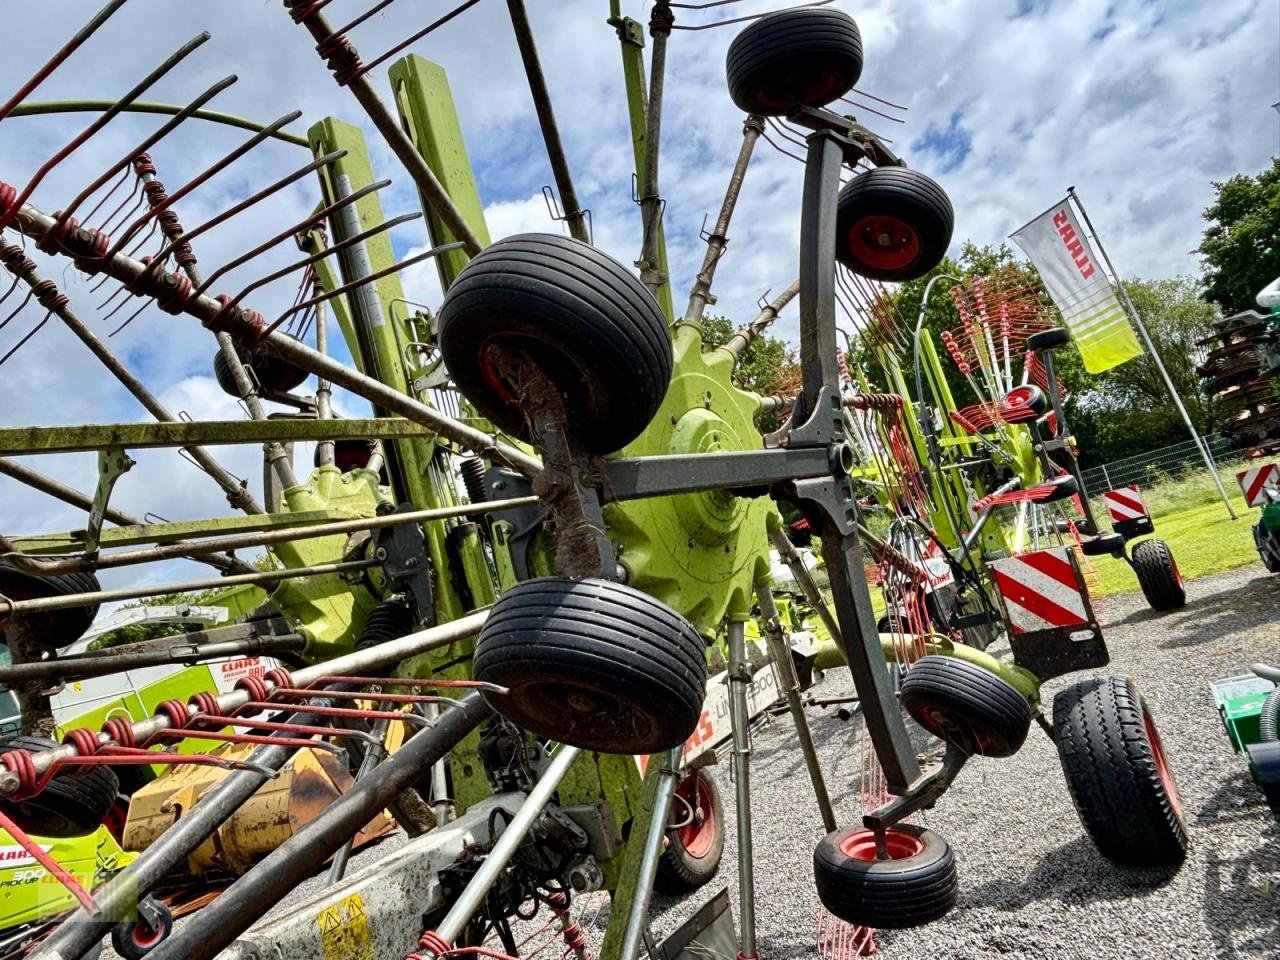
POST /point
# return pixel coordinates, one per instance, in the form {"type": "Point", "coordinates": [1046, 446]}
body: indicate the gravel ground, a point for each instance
{"type": "Point", "coordinates": [1032, 885]}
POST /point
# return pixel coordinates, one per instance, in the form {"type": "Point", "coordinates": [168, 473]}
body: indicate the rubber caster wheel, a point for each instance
{"type": "Point", "coordinates": [805, 57]}
{"type": "Point", "coordinates": [1102, 545]}
{"type": "Point", "coordinates": [1268, 545]}
{"type": "Point", "coordinates": [134, 939]}
{"type": "Point", "coordinates": [70, 805]}
{"type": "Point", "coordinates": [273, 373]}
{"type": "Point", "coordinates": [1116, 772]}
{"type": "Point", "coordinates": [916, 885]}
{"type": "Point", "coordinates": [1050, 339]}
{"type": "Point", "coordinates": [893, 224]}
{"type": "Point", "coordinates": [692, 856]}
{"type": "Point", "coordinates": [1158, 575]}
{"type": "Point", "coordinates": [55, 628]}
{"type": "Point", "coordinates": [594, 664]}
{"type": "Point", "coordinates": [966, 706]}
{"type": "Point", "coordinates": [1026, 402]}
{"type": "Point", "coordinates": [589, 325]}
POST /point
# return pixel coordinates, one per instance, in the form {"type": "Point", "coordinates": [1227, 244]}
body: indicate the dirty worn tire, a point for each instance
{"type": "Point", "coordinates": [1116, 773]}
{"type": "Point", "coordinates": [893, 223]}
{"type": "Point", "coordinates": [56, 628]}
{"type": "Point", "coordinates": [72, 805]}
{"type": "Point", "coordinates": [1158, 575]}
{"type": "Point", "coordinates": [1102, 545]}
{"type": "Point", "coordinates": [595, 664]}
{"type": "Point", "coordinates": [585, 321]}
{"type": "Point", "coordinates": [692, 856]}
{"type": "Point", "coordinates": [918, 885]}
{"type": "Point", "coordinates": [273, 373]}
{"type": "Point", "coordinates": [134, 939]}
{"type": "Point", "coordinates": [805, 57]}
{"type": "Point", "coordinates": [1264, 760]}
{"type": "Point", "coordinates": [1050, 339]}
{"type": "Point", "coordinates": [1268, 544]}
{"type": "Point", "coordinates": [964, 705]}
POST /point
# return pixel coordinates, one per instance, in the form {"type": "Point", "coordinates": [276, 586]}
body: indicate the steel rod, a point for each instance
{"type": "Point", "coordinates": [740, 718]}
{"type": "Point", "coordinates": [650, 201]}
{"type": "Point", "coordinates": [45, 604]}
{"type": "Point", "coordinates": [149, 106]}
{"type": "Point", "coordinates": [638, 915]}
{"type": "Point", "coordinates": [574, 215]}
{"type": "Point", "coordinates": [189, 549]}
{"type": "Point", "coordinates": [719, 236]}
{"type": "Point", "coordinates": [237, 908]}
{"type": "Point", "coordinates": [82, 668]}
{"type": "Point", "coordinates": [743, 338]}
{"type": "Point", "coordinates": [36, 224]}
{"type": "Point", "coordinates": [478, 887]}
{"type": "Point", "coordinates": [776, 638]}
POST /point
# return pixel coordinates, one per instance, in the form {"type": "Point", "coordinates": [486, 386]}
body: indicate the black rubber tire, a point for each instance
{"type": "Point", "coordinates": [349, 454]}
{"type": "Point", "coordinates": [1268, 545]}
{"type": "Point", "coordinates": [914, 202]}
{"type": "Point", "coordinates": [595, 664]}
{"type": "Point", "coordinates": [804, 57]}
{"type": "Point", "coordinates": [273, 373]}
{"type": "Point", "coordinates": [1028, 395]}
{"type": "Point", "coordinates": [962, 704]}
{"type": "Point", "coordinates": [886, 894]}
{"type": "Point", "coordinates": [71, 805]}
{"type": "Point", "coordinates": [1050, 339]}
{"type": "Point", "coordinates": [1114, 763]}
{"type": "Point", "coordinates": [693, 853]}
{"type": "Point", "coordinates": [1065, 486]}
{"type": "Point", "coordinates": [1102, 545]}
{"type": "Point", "coordinates": [1264, 759]}
{"type": "Point", "coordinates": [134, 939]}
{"type": "Point", "coordinates": [56, 628]}
{"type": "Point", "coordinates": [1158, 575]}
{"type": "Point", "coordinates": [590, 325]}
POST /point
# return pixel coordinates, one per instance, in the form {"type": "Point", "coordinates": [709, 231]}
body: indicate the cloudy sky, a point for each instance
{"type": "Point", "coordinates": [1138, 103]}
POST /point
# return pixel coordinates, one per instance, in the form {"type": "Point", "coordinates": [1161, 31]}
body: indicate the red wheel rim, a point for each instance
{"type": "Point", "coordinates": [1157, 753]}
{"type": "Point", "coordinates": [939, 721]}
{"type": "Point", "coordinates": [697, 837]}
{"type": "Point", "coordinates": [1177, 574]}
{"type": "Point", "coordinates": [900, 845]}
{"type": "Point", "coordinates": [824, 89]}
{"type": "Point", "coordinates": [144, 936]}
{"type": "Point", "coordinates": [1018, 397]}
{"type": "Point", "coordinates": [884, 243]}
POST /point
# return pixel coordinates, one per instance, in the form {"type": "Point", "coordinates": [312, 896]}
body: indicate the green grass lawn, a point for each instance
{"type": "Point", "coordinates": [1203, 539]}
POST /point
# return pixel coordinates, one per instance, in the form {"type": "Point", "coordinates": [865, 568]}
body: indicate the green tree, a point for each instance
{"type": "Point", "coordinates": [1241, 246]}
{"type": "Point", "coordinates": [764, 367]}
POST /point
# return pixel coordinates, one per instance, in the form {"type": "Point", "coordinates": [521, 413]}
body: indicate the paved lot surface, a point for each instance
{"type": "Point", "coordinates": [1032, 885]}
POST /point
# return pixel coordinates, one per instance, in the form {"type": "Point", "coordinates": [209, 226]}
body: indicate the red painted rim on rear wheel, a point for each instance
{"type": "Point", "coordinates": [900, 845]}
{"type": "Point", "coordinates": [883, 242]}
{"type": "Point", "coordinates": [145, 936]}
{"type": "Point", "coordinates": [699, 834]}
{"type": "Point", "coordinates": [1157, 753]}
{"type": "Point", "coordinates": [778, 96]}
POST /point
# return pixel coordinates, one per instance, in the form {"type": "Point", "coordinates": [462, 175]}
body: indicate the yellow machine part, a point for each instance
{"type": "Point", "coordinates": [308, 783]}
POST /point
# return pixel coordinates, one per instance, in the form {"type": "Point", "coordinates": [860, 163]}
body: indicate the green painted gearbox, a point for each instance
{"type": "Point", "coordinates": [699, 553]}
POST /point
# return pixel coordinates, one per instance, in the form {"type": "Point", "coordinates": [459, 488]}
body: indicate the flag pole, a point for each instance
{"type": "Point", "coordinates": [1155, 357]}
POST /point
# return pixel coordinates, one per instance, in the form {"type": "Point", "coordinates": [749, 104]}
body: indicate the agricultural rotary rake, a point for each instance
{"type": "Point", "coordinates": [618, 511]}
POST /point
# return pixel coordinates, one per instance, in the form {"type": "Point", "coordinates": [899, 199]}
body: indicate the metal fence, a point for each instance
{"type": "Point", "coordinates": [1172, 461]}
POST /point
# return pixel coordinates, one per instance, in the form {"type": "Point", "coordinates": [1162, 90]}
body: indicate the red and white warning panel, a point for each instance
{"type": "Point", "coordinates": [1128, 512]}
{"type": "Point", "coordinates": [1254, 483]}
{"type": "Point", "coordinates": [1052, 629]}
{"type": "Point", "coordinates": [1041, 590]}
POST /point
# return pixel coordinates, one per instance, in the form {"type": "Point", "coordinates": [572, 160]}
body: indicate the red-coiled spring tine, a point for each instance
{"type": "Point", "coordinates": [102, 120]}
{"type": "Point", "coordinates": [21, 343]}
{"type": "Point", "coordinates": [70, 47]}
{"type": "Point", "coordinates": [200, 178]}
{"type": "Point", "coordinates": [410, 41]}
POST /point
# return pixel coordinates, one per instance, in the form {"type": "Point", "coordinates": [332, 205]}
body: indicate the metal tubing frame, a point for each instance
{"type": "Point", "coordinates": [217, 925]}
{"type": "Point", "coordinates": [637, 915]}
{"type": "Point", "coordinates": [739, 677]}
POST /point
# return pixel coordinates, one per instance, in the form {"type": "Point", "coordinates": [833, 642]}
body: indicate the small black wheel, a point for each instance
{"type": "Point", "coordinates": [1017, 402]}
{"type": "Point", "coordinates": [71, 805]}
{"type": "Point", "coordinates": [792, 58]}
{"type": "Point", "coordinates": [589, 325]}
{"type": "Point", "coordinates": [273, 372]}
{"type": "Point", "coordinates": [1264, 761]}
{"type": "Point", "coordinates": [55, 628]}
{"type": "Point", "coordinates": [134, 939]}
{"type": "Point", "coordinates": [692, 856]}
{"type": "Point", "coordinates": [1101, 545]}
{"type": "Point", "coordinates": [893, 223]}
{"type": "Point", "coordinates": [1050, 339]}
{"type": "Point", "coordinates": [1268, 544]}
{"type": "Point", "coordinates": [595, 664]}
{"type": "Point", "coordinates": [966, 706]}
{"type": "Point", "coordinates": [1116, 772]}
{"type": "Point", "coordinates": [1062, 487]}
{"type": "Point", "coordinates": [1158, 575]}
{"type": "Point", "coordinates": [916, 885]}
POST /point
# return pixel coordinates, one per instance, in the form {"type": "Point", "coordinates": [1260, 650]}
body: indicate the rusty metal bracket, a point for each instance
{"type": "Point", "coordinates": [113, 463]}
